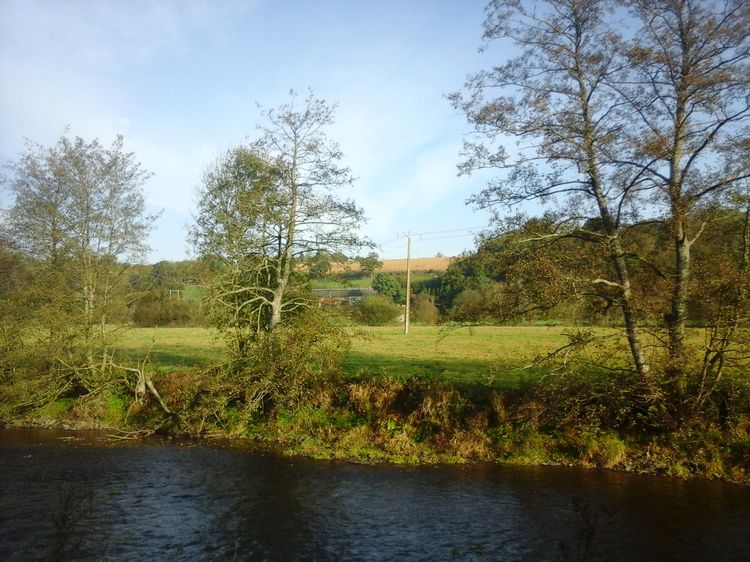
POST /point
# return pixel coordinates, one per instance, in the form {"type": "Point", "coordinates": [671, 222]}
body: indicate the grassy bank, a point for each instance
{"type": "Point", "coordinates": [436, 395]}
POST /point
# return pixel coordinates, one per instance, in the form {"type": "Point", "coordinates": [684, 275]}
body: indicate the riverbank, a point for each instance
{"type": "Point", "coordinates": [418, 421]}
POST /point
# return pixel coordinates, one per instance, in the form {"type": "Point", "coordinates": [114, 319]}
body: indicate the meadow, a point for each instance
{"type": "Point", "coordinates": [485, 355]}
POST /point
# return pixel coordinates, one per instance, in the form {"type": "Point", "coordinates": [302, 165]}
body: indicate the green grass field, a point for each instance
{"type": "Point", "coordinates": [481, 355]}
{"type": "Point", "coordinates": [169, 348]}
{"type": "Point", "coordinates": [497, 356]}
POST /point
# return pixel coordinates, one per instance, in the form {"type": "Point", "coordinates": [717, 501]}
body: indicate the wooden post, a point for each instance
{"type": "Point", "coordinates": [408, 282]}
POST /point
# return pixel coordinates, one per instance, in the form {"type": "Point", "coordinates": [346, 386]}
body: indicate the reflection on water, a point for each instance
{"type": "Point", "coordinates": [86, 499]}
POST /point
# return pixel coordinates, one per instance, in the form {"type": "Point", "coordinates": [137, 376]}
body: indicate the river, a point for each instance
{"type": "Point", "coordinates": [67, 495]}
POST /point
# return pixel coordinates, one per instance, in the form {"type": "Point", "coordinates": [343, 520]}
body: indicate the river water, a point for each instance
{"type": "Point", "coordinates": [78, 496]}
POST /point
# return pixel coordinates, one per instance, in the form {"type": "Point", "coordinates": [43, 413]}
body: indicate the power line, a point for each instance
{"type": "Point", "coordinates": [391, 247]}
{"type": "Point", "coordinates": [463, 229]}
{"type": "Point", "coordinates": [428, 236]}
{"type": "Point", "coordinates": [390, 240]}
{"type": "Point", "coordinates": [445, 237]}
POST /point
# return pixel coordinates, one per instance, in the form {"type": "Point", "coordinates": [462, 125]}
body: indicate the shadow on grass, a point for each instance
{"type": "Point", "coordinates": [456, 372]}
{"type": "Point", "coordinates": [170, 358]}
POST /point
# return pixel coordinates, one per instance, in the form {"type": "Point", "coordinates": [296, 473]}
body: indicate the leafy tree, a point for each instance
{"type": "Point", "coordinates": [476, 271]}
{"type": "Point", "coordinates": [166, 275]}
{"type": "Point", "coordinates": [390, 286]}
{"type": "Point", "coordinates": [265, 206]}
{"type": "Point", "coordinates": [319, 265]}
{"type": "Point", "coordinates": [232, 235]}
{"type": "Point", "coordinates": [15, 289]}
{"type": "Point", "coordinates": [369, 263]}
{"type": "Point", "coordinates": [79, 212]}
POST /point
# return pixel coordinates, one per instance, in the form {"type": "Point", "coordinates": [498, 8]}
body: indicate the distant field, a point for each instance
{"type": "Point", "coordinates": [399, 266]}
{"type": "Point", "coordinates": [481, 355]}
{"type": "Point", "coordinates": [417, 264]}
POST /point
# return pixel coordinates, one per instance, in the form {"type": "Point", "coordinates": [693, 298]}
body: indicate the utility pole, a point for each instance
{"type": "Point", "coordinates": [408, 281]}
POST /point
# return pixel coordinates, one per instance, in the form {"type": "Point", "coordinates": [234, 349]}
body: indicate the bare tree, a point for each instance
{"type": "Point", "coordinates": [555, 99]}
{"type": "Point", "coordinates": [687, 93]}
{"type": "Point", "coordinates": [265, 206]}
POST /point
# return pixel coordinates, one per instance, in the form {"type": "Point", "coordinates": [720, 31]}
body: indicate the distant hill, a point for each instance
{"type": "Point", "coordinates": [417, 264]}
{"type": "Point", "coordinates": [399, 266]}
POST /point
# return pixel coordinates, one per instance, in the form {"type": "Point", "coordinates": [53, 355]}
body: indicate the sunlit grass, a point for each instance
{"type": "Point", "coordinates": [498, 356]}
{"type": "Point", "coordinates": [171, 347]}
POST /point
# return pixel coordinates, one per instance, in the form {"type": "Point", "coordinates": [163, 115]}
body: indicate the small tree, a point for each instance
{"type": "Point", "coordinates": [390, 286]}
{"type": "Point", "coordinates": [265, 206]}
{"type": "Point", "coordinates": [369, 263]}
{"type": "Point", "coordinates": [319, 265]}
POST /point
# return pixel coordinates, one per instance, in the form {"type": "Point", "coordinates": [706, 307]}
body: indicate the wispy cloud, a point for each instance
{"type": "Point", "coordinates": [180, 78]}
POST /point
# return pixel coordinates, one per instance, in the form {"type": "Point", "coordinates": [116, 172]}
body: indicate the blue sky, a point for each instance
{"type": "Point", "coordinates": [180, 80]}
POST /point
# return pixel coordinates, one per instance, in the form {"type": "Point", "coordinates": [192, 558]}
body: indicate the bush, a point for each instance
{"type": "Point", "coordinates": [155, 308]}
{"type": "Point", "coordinates": [390, 286]}
{"type": "Point", "coordinates": [377, 310]}
{"type": "Point", "coordinates": [423, 309]}
{"type": "Point", "coordinates": [295, 360]}
{"type": "Point", "coordinates": [466, 304]}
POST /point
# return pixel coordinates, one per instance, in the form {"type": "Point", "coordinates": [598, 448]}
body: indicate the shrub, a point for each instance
{"type": "Point", "coordinates": [466, 303]}
{"type": "Point", "coordinates": [155, 308]}
{"type": "Point", "coordinates": [292, 362]}
{"type": "Point", "coordinates": [390, 286]}
{"type": "Point", "coordinates": [377, 310]}
{"type": "Point", "coordinates": [423, 309]}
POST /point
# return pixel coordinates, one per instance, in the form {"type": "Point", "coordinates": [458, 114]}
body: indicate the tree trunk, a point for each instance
{"type": "Point", "coordinates": [611, 228]}
{"type": "Point", "coordinates": [276, 308]}
{"type": "Point", "coordinates": [626, 305]}
{"type": "Point", "coordinates": [677, 316]}
{"type": "Point", "coordinates": [284, 270]}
